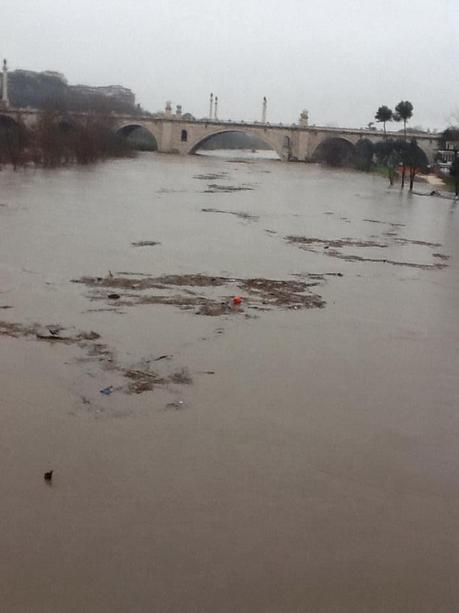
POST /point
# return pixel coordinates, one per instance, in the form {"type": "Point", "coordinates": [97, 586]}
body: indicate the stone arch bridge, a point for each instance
{"type": "Point", "coordinates": [174, 134]}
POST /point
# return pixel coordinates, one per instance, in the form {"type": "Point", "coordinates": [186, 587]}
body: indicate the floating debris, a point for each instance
{"type": "Point", "coordinates": [140, 379]}
{"type": "Point", "coordinates": [336, 243]}
{"type": "Point", "coordinates": [269, 293]}
{"type": "Point", "coordinates": [176, 404]}
{"type": "Point", "coordinates": [182, 376]}
{"type": "Point", "coordinates": [213, 188]}
{"type": "Point", "coordinates": [211, 176]}
{"type": "Point", "coordinates": [441, 256]}
{"type": "Point", "coordinates": [330, 248]}
{"type": "Point", "coordinates": [407, 241]}
{"type": "Point", "coordinates": [16, 330]}
{"type": "Point", "coordinates": [241, 215]}
{"type": "Point", "coordinates": [145, 243]}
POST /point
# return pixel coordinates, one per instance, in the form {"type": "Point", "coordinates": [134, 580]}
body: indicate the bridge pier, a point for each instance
{"type": "Point", "coordinates": [165, 140]}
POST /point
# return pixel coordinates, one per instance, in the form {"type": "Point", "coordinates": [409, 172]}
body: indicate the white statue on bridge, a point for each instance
{"type": "Point", "coordinates": [304, 118]}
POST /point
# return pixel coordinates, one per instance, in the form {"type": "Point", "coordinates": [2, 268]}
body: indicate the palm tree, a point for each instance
{"type": "Point", "coordinates": [383, 114]}
{"type": "Point", "coordinates": [403, 112]}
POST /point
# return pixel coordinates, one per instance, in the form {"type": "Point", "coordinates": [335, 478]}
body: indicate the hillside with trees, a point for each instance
{"type": "Point", "coordinates": [50, 90]}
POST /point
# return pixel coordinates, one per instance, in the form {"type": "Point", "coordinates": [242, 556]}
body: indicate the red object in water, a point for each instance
{"type": "Point", "coordinates": [237, 300]}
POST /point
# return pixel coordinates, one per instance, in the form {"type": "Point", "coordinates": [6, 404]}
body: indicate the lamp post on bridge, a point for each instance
{"type": "Point", "coordinates": [5, 84]}
{"type": "Point", "coordinates": [263, 115]}
{"type": "Point", "coordinates": [211, 105]}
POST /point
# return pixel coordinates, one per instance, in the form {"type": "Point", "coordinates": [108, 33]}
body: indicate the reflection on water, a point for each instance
{"type": "Point", "coordinates": [287, 459]}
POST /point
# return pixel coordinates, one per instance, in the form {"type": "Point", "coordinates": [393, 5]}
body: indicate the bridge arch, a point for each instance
{"type": "Point", "coordinates": [127, 130]}
{"type": "Point", "coordinates": [334, 150]}
{"type": "Point", "coordinates": [276, 147]}
{"type": "Point", "coordinates": [424, 156]}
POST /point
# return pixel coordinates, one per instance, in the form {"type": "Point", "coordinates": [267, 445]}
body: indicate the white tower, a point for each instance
{"type": "Point", "coordinates": [211, 105]}
{"type": "Point", "coordinates": [5, 84]}
{"type": "Point", "coordinates": [265, 104]}
{"type": "Point", "coordinates": [216, 108]}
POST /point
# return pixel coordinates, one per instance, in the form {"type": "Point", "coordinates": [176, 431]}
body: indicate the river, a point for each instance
{"type": "Point", "coordinates": [296, 452]}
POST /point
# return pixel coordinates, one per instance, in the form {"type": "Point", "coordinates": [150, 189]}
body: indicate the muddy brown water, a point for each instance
{"type": "Point", "coordinates": [271, 459]}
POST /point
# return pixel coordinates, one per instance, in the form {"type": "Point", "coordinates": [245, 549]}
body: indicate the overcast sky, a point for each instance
{"type": "Point", "coordinates": [340, 59]}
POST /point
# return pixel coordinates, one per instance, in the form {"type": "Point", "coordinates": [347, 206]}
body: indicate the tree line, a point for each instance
{"type": "Point", "coordinates": [56, 141]}
{"type": "Point", "coordinates": [390, 154]}
{"type": "Point", "coordinates": [393, 154]}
